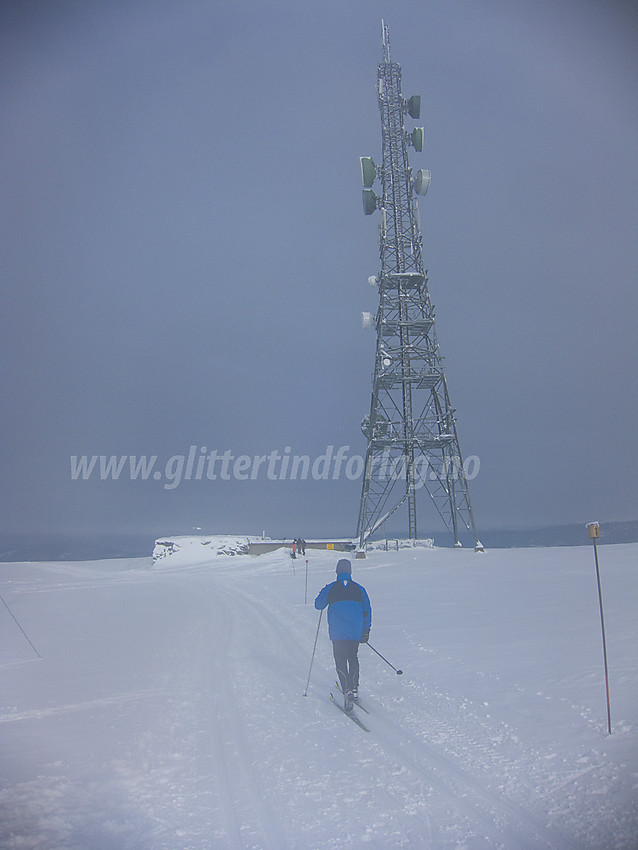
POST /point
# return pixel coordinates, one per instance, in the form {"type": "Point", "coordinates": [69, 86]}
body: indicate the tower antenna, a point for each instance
{"type": "Point", "coordinates": [385, 38]}
{"type": "Point", "coordinates": [413, 447]}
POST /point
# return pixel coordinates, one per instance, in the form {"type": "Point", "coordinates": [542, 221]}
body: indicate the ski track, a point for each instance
{"type": "Point", "coordinates": [255, 828]}
{"type": "Point", "coordinates": [212, 777]}
{"type": "Point", "coordinates": [515, 827]}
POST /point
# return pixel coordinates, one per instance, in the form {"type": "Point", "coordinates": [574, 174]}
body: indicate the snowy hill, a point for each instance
{"type": "Point", "coordinates": [195, 548]}
{"type": "Point", "coordinates": [167, 710]}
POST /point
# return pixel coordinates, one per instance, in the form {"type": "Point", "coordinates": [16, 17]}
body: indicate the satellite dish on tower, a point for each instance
{"type": "Point", "coordinates": [422, 181]}
{"type": "Point", "coordinates": [368, 170]}
{"type": "Point", "coordinates": [414, 106]}
{"type": "Point", "coordinates": [416, 137]}
{"type": "Point", "coordinates": [369, 201]}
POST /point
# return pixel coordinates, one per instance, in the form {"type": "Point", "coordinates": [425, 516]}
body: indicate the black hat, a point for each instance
{"type": "Point", "coordinates": [344, 566]}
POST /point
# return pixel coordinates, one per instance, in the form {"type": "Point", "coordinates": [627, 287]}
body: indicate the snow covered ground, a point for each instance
{"type": "Point", "coordinates": [167, 710]}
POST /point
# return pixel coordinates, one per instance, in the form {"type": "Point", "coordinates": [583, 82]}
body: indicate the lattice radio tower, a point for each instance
{"type": "Point", "coordinates": [413, 448]}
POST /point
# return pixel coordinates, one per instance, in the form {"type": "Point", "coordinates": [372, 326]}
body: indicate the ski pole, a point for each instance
{"type": "Point", "coordinates": [398, 672]}
{"type": "Point", "coordinates": [21, 629]}
{"type": "Point", "coordinates": [313, 652]}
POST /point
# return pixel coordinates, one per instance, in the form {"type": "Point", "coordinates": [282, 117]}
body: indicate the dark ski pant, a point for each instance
{"type": "Point", "coordinates": [347, 663]}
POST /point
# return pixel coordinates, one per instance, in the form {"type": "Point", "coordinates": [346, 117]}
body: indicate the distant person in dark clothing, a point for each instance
{"type": "Point", "coordinates": [349, 621]}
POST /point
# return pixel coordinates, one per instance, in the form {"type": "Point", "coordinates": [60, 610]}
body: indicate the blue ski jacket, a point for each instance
{"type": "Point", "coordinates": [349, 609]}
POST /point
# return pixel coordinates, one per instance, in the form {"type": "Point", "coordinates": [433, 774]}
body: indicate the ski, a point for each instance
{"type": "Point", "coordinates": [349, 714]}
{"type": "Point", "coordinates": [357, 703]}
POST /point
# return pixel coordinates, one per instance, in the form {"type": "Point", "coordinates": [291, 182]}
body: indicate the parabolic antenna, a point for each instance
{"type": "Point", "coordinates": [368, 170]}
{"type": "Point", "coordinates": [422, 181]}
{"type": "Point", "coordinates": [414, 106]}
{"type": "Point", "coordinates": [417, 138]}
{"type": "Point", "coordinates": [369, 201]}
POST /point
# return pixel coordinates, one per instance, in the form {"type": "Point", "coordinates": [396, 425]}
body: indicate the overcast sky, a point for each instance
{"type": "Point", "coordinates": [185, 256]}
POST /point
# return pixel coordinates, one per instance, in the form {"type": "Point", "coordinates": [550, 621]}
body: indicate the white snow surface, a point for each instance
{"type": "Point", "coordinates": [168, 709]}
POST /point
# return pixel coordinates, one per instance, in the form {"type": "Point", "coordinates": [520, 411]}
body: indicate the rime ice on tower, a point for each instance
{"type": "Point", "coordinates": [413, 448]}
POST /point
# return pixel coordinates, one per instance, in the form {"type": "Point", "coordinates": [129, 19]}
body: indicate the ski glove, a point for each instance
{"type": "Point", "coordinates": [365, 637]}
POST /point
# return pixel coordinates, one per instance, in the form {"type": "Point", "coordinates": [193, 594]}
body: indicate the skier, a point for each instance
{"type": "Point", "coordinates": [349, 621]}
